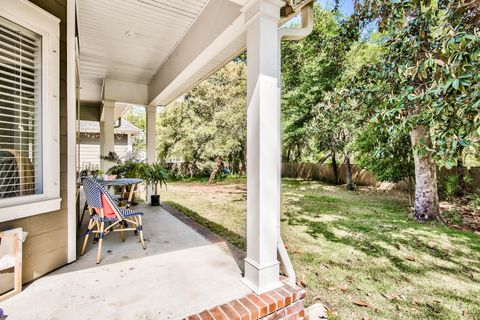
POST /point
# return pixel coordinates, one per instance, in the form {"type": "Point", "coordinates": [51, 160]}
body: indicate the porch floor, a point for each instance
{"type": "Point", "coordinates": [180, 273]}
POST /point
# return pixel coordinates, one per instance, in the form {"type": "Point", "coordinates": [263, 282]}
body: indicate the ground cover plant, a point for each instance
{"type": "Point", "coordinates": [360, 253]}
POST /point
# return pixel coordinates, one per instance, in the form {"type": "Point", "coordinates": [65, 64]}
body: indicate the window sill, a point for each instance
{"type": "Point", "coordinates": [19, 211]}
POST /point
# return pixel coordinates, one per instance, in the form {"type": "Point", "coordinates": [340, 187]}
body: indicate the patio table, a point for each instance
{"type": "Point", "coordinates": [123, 182]}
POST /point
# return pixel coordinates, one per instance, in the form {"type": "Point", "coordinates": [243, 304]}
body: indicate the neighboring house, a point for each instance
{"type": "Point", "coordinates": [89, 142]}
{"type": "Point", "coordinates": [91, 58]}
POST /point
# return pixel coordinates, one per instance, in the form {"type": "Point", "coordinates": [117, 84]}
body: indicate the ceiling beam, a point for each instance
{"type": "Point", "coordinates": [216, 28]}
{"type": "Point", "coordinates": [126, 92]}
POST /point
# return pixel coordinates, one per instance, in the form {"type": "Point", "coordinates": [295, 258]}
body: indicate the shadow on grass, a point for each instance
{"type": "Point", "coordinates": [380, 227]}
{"type": "Point", "coordinates": [232, 237]}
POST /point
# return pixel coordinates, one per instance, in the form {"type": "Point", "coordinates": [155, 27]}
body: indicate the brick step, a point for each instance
{"type": "Point", "coordinates": [285, 302]}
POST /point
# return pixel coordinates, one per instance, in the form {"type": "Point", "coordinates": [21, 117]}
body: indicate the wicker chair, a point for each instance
{"type": "Point", "coordinates": [16, 174]}
{"type": "Point", "coordinates": [102, 208]}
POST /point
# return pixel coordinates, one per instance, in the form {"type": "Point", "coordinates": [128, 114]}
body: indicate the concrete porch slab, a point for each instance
{"type": "Point", "coordinates": [180, 273]}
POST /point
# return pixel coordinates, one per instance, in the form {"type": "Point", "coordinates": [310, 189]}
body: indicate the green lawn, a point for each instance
{"type": "Point", "coordinates": [359, 246]}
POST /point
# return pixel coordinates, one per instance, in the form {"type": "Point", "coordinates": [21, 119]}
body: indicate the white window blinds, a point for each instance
{"type": "Point", "coordinates": [20, 111]}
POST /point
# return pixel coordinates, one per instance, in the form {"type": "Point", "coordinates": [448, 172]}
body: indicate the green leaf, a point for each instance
{"type": "Point", "coordinates": [456, 84]}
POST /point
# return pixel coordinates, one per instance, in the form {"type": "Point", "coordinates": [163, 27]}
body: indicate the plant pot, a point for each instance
{"type": "Point", "coordinates": [154, 200]}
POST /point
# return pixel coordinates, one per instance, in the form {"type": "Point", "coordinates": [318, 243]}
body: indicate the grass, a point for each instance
{"type": "Point", "coordinates": [355, 246]}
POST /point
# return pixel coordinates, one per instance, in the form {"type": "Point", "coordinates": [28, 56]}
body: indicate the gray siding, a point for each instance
{"type": "Point", "coordinates": [90, 149]}
{"type": "Point", "coordinates": [46, 246]}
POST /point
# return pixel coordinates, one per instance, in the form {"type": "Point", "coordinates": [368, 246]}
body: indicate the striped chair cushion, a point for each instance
{"type": "Point", "coordinates": [124, 212]}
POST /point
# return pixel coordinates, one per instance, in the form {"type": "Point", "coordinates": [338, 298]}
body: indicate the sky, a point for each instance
{"type": "Point", "coordinates": [346, 6]}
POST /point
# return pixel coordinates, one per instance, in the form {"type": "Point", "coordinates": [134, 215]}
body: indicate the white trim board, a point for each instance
{"type": "Point", "coordinates": [71, 134]}
{"type": "Point", "coordinates": [29, 209]}
{"type": "Point", "coordinates": [43, 23]}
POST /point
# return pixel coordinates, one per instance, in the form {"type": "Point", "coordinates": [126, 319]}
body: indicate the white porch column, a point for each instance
{"type": "Point", "coordinates": [151, 113]}
{"type": "Point", "coordinates": [129, 143]}
{"type": "Point", "coordinates": [263, 146]}
{"type": "Point", "coordinates": [107, 139]}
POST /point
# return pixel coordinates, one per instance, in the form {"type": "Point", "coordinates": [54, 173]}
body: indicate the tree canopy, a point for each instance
{"type": "Point", "coordinates": [393, 88]}
{"type": "Point", "coordinates": [209, 122]}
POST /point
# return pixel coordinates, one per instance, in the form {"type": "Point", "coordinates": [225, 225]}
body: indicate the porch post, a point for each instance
{"type": "Point", "coordinates": [151, 113]}
{"type": "Point", "coordinates": [263, 146]}
{"type": "Point", "coordinates": [129, 143]}
{"type": "Point", "coordinates": [107, 140]}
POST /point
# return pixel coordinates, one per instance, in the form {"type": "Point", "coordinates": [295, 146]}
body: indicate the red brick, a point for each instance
{"type": "Point", "coordinates": [302, 313]}
{"type": "Point", "coordinates": [294, 316]}
{"type": "Point", "coordinates": [292, 291]}
{"type": "Point", "coordinates": [281, 314]}
{"type": "Point", "coordinates": [272, 305]}
{"type": "Point", "coordinates": [284, 303]}
{"type": "Point", "coordinates": [244, 312]}
{"type": "Point", "coordinates": [292, 299]}
{"type": "Point", "coordinates": [298, 306]}
{"type": "Point", "coordinates": [217, 314]}
{"type": "Point", "coordinates": [273, 316]}
{"type": "Point", "coordinates": [251, 307]}
{"type": "Point", "coordinates": [231, 314]}
{"type": "Point", "coordinates": [262, 306]}
{"type": "Point", "coordinates": [286, 296]}
{"type": "Point", "coordinates": [302, 294]}
{"type": "Point", "coordinates": [205, 315]}
{"type": "Point", "coordinates": [278, 299]}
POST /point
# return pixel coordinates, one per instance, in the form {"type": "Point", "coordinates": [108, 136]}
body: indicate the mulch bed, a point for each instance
{"type": "Point", "coordinates": [470, 217]}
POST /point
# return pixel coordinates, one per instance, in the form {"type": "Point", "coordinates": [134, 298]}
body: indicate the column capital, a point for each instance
{"type": "Point", "coordinates": [269, 9]}
{"type": "Point", "coordinates": [108, 108]}
{"type": "Point", "coordinates": [151, 108]}
{"type": "Point", "coordinates": [108, 103]}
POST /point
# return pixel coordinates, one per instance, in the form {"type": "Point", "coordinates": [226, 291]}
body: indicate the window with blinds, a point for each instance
{"type": "Point", "coordinates": [20, 111]}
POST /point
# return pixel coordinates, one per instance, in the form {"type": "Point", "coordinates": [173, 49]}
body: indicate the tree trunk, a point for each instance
{"type": "Point", "coordinates": [299, 154]}
{"type": "Point", "coordinates": [426, 193]}
{"type": "Point", "coordinates": [213, 174]}
{"type": "Point", "coordinates": [460, 171]}
{"type": "Point", "coordinates": [411, 190]}
{"type": "Point", "coordinates": [190, 170]}
{"type": "Point", "coordinates": [348, 172]}
{"type": "Point", "coordinates": [243, 163]}
{"type": "Point", "coordinates": [335, 168]}
{"type": "Point", "coordinates": [324, 158]}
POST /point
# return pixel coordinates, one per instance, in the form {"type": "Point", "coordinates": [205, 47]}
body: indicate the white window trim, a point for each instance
{"type": "Point", "coordinates": [43, 23]}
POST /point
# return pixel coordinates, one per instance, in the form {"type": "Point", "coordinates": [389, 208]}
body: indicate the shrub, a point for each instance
{"type": "Point", "coordinates": [449, 186]}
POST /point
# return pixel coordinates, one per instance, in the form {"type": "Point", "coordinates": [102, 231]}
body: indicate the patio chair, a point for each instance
{"type": "Point", "coordinates": [116, 198]}
{"type": "Point", "coordinates": [16, 174]}
{"type": "Point", "coordinates": [102, 208]}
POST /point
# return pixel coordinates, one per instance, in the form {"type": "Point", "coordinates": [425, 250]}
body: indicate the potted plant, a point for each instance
{"type": "Point", "coordinates": [155, 175]}
{"type": "Point", "coordinates": [99, 174]}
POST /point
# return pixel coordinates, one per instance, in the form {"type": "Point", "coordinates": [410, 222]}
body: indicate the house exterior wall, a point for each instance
{"type": "Point", "coordinates": [90, 149]}
{"type": "Point", "coordinates": [45, 248]}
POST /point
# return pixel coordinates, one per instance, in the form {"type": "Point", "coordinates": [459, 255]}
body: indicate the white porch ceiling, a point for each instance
{"type": "Point", "coordinates": [129, 40]}
{"type": "Point", "coordinates": [167, 45]}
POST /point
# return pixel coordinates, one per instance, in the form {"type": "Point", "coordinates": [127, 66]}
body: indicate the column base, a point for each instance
{"type": "Point", "coordinates": [261, 279]}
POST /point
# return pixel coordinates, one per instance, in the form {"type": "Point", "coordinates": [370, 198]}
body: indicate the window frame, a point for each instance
{"type": "Point", "coordinates": [29, 16]}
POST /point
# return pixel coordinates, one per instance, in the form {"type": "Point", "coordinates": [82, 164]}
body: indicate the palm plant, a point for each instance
{"type": "Point", "coordinates": [155, 175]}
{"type": "Point", "coordinates": [450, 186]}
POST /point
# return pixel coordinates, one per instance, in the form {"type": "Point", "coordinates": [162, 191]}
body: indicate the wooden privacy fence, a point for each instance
{"type": "Point", "coordinates": [362, 177]}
